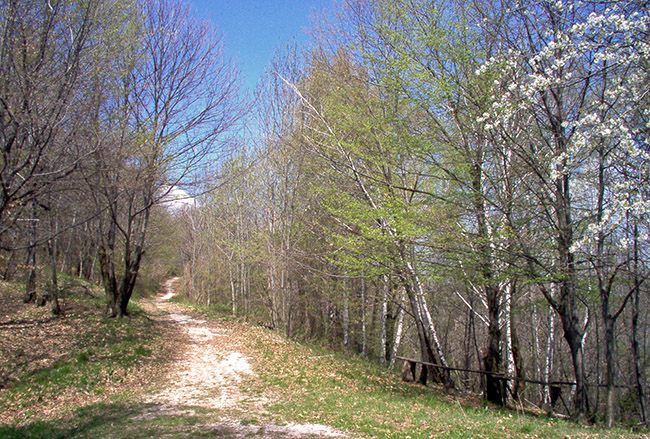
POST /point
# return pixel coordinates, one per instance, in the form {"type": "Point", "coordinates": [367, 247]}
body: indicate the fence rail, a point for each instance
{"type": "Point", "coordinates": [508, 378]}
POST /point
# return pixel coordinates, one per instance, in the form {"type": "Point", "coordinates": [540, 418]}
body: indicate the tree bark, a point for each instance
{"type": "Point", "coordinates": [399, 327]}
{"type": "Point", "coordinates": [30, 278]}
{"type": "Point", "coordinates": [548, 366]}
{"type": "Point", "coordinates": [574, 338]}
{"type": "Point", "coordinates": [636, 355]}
{"type": "Point", "coordinates": [494, 386]}
{"type": "Point", "coordinates": [364, 335]}
{"type": "Point", "coordinates": [54, 287]}
{"type": "Point", "coordinates": [30, 261]}
{"type": "Point", "coordinates": [384, 311]}
{"type": "Point", "coordinates": [52, 247]}
{"type": "Point", "coordinates": [431, 352]}
{"type": "Point", "coordinates": [610, 367]}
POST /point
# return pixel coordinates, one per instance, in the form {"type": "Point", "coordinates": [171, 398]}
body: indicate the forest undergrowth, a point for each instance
{"type": "Point", "coordinates": [83, 375]}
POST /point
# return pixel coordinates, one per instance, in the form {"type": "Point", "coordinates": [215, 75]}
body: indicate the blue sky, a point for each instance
{"type": "Point", "coordinates": [253, 29]}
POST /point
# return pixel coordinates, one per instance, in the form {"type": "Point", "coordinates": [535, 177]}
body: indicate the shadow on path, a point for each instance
{"type": "Point", "coordinates": [139, 421]}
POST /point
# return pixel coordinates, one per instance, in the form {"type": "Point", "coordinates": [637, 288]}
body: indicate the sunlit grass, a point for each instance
{"type": "Point", "coordinates": [301, 384]}
{"type": "Point", "coordinates": [81, 355]}
{"type": "Point", "coordinates": [367, 400]}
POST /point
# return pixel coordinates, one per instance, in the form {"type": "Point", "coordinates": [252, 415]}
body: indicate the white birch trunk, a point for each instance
{"type": "Point", "coordinates": [364, 335]}
{"type": "Point", "coordinates": [424, 312]}
{"type": "Point", "coordinates": [399, 328]}
{"type": "Point", "coordinates": [233, 293]}
{"type": "Point", "coordinates": [346, 317]}
{"type": "Point", "coordinates": [537, 366]}
{"type": "Point", "coordinates": [505, 323]}
{"type": "Point", "coordinates": [384, 311]}
{"type": "Point", "coordinates": [549, 355]}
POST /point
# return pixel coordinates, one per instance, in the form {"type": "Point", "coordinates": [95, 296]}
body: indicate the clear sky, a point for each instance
{"type": "Point", "coordinates": [253, 29]}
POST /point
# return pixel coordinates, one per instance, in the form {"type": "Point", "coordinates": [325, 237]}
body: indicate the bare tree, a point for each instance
{"type": "Point", "coordinates": [45, 51]}
{"type": "Point", "coordinates": [178, 97]}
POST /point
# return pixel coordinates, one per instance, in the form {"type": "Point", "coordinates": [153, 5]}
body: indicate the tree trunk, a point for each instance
{"type": "Point", "coordinates": [384, 312]}
{"type": "Point", "coordinates": [636, 355]}
{"type": "Point", "coordinates": [517, 386]}
{"type": "Point", "coordinates": [399, 328]}
{"type": "Point", "coordinates": [30, 261]}
{"type": "Point", "coordinates": [108, 279]}
{"type": "Point", "coordinates": [346, 316]}
{"type": "Point", "coordinates": [54, 287]}
{"type": "Point", "coordinates": [567, 303]}
{"type": "Point", "coordinates": [610, 366]}
{"type": "Point", "coordinates": [425, 328]}
{"type": "Point", "coordinates": [574, 338]}
{"type": "Point", "coordinates": [364, 335]}
{"type": "Point", "coordinates": [233, 295]}
{"type": "Point", "coordinates": [494, 386]}
{"type": "Point", "coordinates": [30, 278]}
{"type": "Point", "coordinates": [548, 367]}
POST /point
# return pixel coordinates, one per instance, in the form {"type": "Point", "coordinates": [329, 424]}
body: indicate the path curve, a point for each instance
{"type": "Point", "coordinates": [211, 372]}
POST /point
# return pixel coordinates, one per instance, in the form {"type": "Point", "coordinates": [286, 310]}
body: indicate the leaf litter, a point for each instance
{"type": "Point", "coordinates": [200, 366]}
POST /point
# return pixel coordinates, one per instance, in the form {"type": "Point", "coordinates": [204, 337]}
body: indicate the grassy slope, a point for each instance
{"type": "Point", "coordinates": [83, 362]}
{"type": "Point", "coordinates": [91, 390]}
{"type": "Point", "coordinates": [351, 394]}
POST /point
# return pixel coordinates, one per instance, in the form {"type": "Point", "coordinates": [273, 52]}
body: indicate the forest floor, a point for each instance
{"type": "Point", "coordinates": [198, 384]}
{"type": "Point", "coordinates": [173, 370]}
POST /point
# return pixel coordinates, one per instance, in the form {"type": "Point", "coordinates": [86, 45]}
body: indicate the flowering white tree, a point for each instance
{"type": "Point", "coordinates": [571, 110]}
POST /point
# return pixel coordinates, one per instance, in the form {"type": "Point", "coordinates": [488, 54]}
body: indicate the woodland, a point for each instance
{"type": "Point", "coordinates": [462, 182]}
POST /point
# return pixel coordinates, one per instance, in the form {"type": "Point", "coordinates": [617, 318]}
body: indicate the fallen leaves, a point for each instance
{"type": "Point", "coordinates": [49, 364]}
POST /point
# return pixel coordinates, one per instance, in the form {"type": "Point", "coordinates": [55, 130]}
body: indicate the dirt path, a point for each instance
{"type": "Point", "coordinates": [213, 371]}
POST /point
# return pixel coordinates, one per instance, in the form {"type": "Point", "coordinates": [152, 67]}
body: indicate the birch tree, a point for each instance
{"type": "Point", "coordinates": [352, 131]}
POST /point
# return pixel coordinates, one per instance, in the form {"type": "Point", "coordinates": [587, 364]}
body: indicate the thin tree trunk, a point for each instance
{"type": "Point", "coordinates": [506, 323]}
{"type": "Point", "coordinates": [364, 335]}
{"type": "Point", "coordinates": [518, 386]}
{"type": "Point", "coordinates": [399, 327]}
{"type": "Point", "coordinates": [426, 329]}
{"type": "Point", "coordinates": [346, 316]}
{"type": "Point", "coordinates": [91, 275]}
{"type": "Point", "coordinates": [610, 368]}
{"type": "Point", "coordinates": [467, 338]}
{"type": "Point", "coordinates": [548, 367]}
{"type": "Point", "coordinates": [384, 312]}
{"type": "Point", "coordinates": [233, 294]}
{"type": "Point", "coordinates": [636, 356]}
{"type": "Point", "coordinates": [30, 278]}
{"type": "Point", "coordinates": [567, 305]}
{"type": "Point", "coordinates": [30, 260]}
{"type": "Point", "coordinates": [54, 288]}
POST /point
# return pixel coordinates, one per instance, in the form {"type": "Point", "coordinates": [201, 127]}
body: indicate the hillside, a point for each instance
{"type": "Point", "coordinates": [175, 371]}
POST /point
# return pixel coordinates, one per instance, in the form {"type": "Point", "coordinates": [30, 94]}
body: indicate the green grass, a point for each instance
{"type": "Point", "coordinates": [116, 420]}
{"type": "Point", "coordinates": [304, 384]}
{"type": "Point", "coordinates": [110, 360]}
{"type": "Point", "coordinates": [98, 356]}
{"type": "Point", "coordinates": [218, 311]}
{"type": "Point", "coordinates": [351, 394]}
